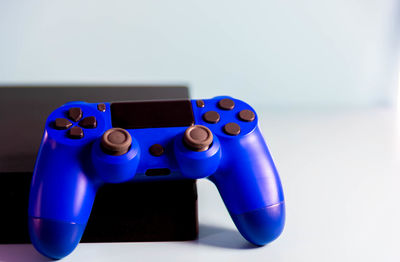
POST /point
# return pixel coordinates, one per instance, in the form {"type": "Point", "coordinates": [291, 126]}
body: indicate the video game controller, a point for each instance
{"type": "Point", "coordinates": [87, 145]}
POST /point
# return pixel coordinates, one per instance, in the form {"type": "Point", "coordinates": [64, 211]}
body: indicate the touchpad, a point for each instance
{"type": "Point", "coordinates": [152, 114]}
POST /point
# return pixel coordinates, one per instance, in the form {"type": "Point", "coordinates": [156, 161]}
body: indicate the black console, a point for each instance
{"type": "Point", "coordinates": [112, 219]}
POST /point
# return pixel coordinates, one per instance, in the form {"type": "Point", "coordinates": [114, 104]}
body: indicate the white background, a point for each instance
{"type": "Point", "coordinates": [277, 53]}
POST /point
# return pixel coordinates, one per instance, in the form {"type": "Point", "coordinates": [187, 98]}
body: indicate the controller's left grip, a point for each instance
{"type": "Point", "coordinates": [60, 200]}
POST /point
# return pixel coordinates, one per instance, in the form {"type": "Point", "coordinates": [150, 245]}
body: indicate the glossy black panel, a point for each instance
{"type": "Point", "coordinates": [151, 114]}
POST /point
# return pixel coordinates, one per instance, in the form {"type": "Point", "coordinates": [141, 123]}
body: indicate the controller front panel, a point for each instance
{"type": "Point", "coordinates": [88, 144]}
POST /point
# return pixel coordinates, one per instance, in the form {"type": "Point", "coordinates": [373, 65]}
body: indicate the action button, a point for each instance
{"type": "Point", "coordinates": [116, 141]}
{"type": "Point", "coordinates": [101, 107]}
{"type": "Point", "coordinates": [211, 117]}
{"type": "Point", "coordinates": [226, 103]}
{"type": "Point", "coordinates": [75, 132]}
{"type": "Point", "coordinates": [75, 114]}
{"type": "Point", "coordinates": [247, 115]}
{"type": "Point", "coordinates": [156, 150]}
{"type": "Point", "coordinates": [198, 138]}
{"type": "Point", "coordinates": [200, 103]}
{"type": "Point", "coordinates": [232, 129]}
{"type": "Point", "coordinates": [88, 122]}
{"type": "Point", "coordinates": [62, 123]}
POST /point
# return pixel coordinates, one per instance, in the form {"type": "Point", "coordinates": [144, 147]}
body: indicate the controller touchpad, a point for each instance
{"type": "Point", "coordinates": [151, 114]}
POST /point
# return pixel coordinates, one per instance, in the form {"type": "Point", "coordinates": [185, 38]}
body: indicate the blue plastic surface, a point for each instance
{"type": "Point", "coordinates": [263, 225]}
{"type": "Point", "coordinates": [54, 239]}
{"type": "Point", "coordinates": [68, 173]}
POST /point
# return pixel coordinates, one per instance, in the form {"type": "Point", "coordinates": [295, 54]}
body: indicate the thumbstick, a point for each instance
{"type": "Point", "coordinates": [198, 138]}
{"type": "Point", "coordinates": [116, 141]}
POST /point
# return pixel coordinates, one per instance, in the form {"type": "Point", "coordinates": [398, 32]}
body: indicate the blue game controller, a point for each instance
{"type": "Point", "coordinates": [87, 145]}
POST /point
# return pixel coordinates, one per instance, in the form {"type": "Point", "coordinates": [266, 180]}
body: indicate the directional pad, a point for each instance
{"type": "Point", "coordinates": [75, 132]}
{"type": "Point", "coordinates": [62, 123]}
{"type": "Point", "coordinates": [88, 122]}
{"type": "Point", "coordinates": [75, 114]}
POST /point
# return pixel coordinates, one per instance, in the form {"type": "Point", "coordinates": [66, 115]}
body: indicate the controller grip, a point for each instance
{"type": "Point", "coordinates": [261, 226]}
{"type": "Point", "coordinates": [60, 200]}
{"type": "Point", "coordinates": [53, 238]}
{"type": "Point", "coordinates": [249, 185]}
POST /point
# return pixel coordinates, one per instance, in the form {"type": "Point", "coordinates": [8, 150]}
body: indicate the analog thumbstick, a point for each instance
{"type": "Point", "coordinates": [116, 141]}
{"type": "Point", "coordinates": [198, 138]}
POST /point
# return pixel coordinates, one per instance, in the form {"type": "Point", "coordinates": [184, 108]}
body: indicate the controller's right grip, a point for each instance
{"type": "Point", "coordinates": [250, 188]}
{"type": "Point", "coordinates": [263, 225]}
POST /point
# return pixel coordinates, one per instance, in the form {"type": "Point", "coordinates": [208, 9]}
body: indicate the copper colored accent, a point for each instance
{"type": "Point", "coordinates": [247, 115]}
{"type": "Point", "coordinates": [75, 114]}
{"type": "Point", "coordinates": [226, 104]}
{"type": "Point", "coordinates": [101, 107]}
{"type": "Point", "coordinates": [211, 117]}
{"type": "Point", "coordinates": [88, 122]}
{"type": "Point", "coordinates": [75, 132]}
{"type": "Point", "coordinates": [198, 138]}
{"type": "Point", "coordinates": [232, 129]}
{"type": "Point", "coordinates": [62, 123]}
{"type": "Point", "coordinates": [116, 141]}
{"type": "Point", "coordinates": [156, 150]}
{"type": "Point", "coordinates": [200, 103]}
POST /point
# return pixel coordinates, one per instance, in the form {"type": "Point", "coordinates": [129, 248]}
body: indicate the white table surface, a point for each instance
{"type": "Point", "coordinates": [341, 175]}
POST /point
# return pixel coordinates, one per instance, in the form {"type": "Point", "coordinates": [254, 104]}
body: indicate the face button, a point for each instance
{"type": "Point", "coordinates": [232, 129]}
{"type": "Point", "coordinates": [211, 117]}
{"type": "Point", "coordinates": [62, 123]}
{"type": "Point", "coordinates": [88, 122]}
{"type": "Point", "coordinates": [200, 103]}
{"type": "Point", "coordinates": [247, 115]}
{"type": "Point", "coordinates": [75, 132]}
{"type": "Point", "coordinates": [156, 150]}
{"type": "Point", "coordinates": [101, 107]}
{"type": "Point", "coordinates": [226, 104]}
{"type": "Point", "coordinates": [198, 138]}
{"type": "Point", "coordinates": [116, 141]}
{"type": "Point", "coordinates": [75, 114]}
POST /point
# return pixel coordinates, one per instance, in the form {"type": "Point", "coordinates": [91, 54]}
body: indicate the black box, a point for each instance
{"type": "Point", "coordinates": [144, 211]}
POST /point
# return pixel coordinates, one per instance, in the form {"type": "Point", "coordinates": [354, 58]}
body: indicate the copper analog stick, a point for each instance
{"type": "Point", "coordinates": [198, 138]}
{"type": "Point", "coordinates": [116, 141]}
